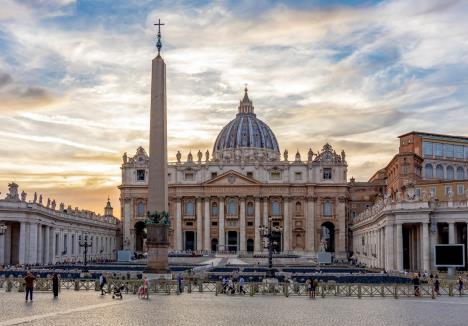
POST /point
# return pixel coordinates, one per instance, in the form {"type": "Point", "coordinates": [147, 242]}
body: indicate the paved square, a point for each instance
{"type": "Point", "coordinates": [89, 308]}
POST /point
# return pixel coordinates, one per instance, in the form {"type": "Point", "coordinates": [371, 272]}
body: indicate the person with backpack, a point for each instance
{"type": "Point", "coordinates": [29, 280]}
{"type": "Point", "coordinates": [102, 283]}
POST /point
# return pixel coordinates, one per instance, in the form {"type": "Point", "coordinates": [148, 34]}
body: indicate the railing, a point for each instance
{"type": "Point", "coordinates": [252, 288]}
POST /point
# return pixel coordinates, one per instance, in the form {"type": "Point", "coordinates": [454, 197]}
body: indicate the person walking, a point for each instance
{"type": "Point", "coordinates": [29, 280]}
{"type": "Point", "coordinates": [437, 285]}
{"type": "Point", "coordinates": [180, 286]}
{"type": "Point", "coordinates": [102, 283]}
{"type": "Point", "coordinates": [309, 287]}
{"type": "Point", "coordinates": [460, 285]}
{"type": "Point", "coordinates": [416, 284]}
{"type": "Point", "coordinates": [55, 285]}
{"type": "Point", "coordinates": [314, 287]}
{"type": "Point", "coordinates": [241, 285]}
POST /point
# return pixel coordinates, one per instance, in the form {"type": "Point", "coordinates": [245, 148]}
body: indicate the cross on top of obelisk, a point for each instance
{"type": "Point", "coordinates": [158, 43]}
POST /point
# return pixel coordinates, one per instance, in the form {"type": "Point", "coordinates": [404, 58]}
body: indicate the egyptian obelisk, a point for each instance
{"type": "Point", "coordinates": [157, 184]}
{"type": "Point", "coordinates": [157, 234]}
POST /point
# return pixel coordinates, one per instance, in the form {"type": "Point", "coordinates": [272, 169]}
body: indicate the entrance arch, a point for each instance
{"type": "Point", "coordinates": [327, 236]}
{"type": "Point", "coordinates": [232, 241]}
{"type": "Point", "coordinates": [140, 236]}
{"type": "Point", "coordinates": [189, 243]}
{"type": "Point", "coordinates": [214, 244]}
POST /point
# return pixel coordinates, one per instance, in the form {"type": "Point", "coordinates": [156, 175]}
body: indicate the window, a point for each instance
{"type": "Point", "coordinates": [466, 152]}
{"type": "Point", "coordinates": [250, 174]}
{"type": "Point", "coordinates": [297, 176]}
{"type": "Point", "coordinates": [188, 176]}
{"type": "Point", "coordinates": [450, 173]}
{"type": "Point", "coordinates": [405, 168]}
{"type": "Point", "coordinates": [214, 223]}
{"type": "Point", "coordinates": [189, 223]}
{"type": "Point", "coordinates": [141, 209]}
{"type": "Point", "coordinates": [439, 171]}
{"type": "Point", "coordinates": [298, 208]}
{"type": "Point", "coordinates": [189, 209]}
{"type": "Point", "coordinates": [438, 149]}
{"type": "Point", "coordinates": [458, 152]}
{"type": "Point", "coordinates": [249, 223]}
{"type": "Point", "coordinates": [214, 175]}
{"type": "Point", "coordinates": [250, 209]}
{"type": "Point", "coordinates": [460, 189]}
{"type": "Point", "coordinates": [433, 191]}
{"type": "Point", "coordinates": [327, 208]}
{"type": "Point", "coordinates": [214, 209]}
{"type": "Point", "coordinates": [275, 208]}
{"type": "Point", "coordinates": [448, 189]}
{"type": "Point", "coordinates": [327, 173]}
{"type": "Point", "coordinates": [417, 192]}
{"type": "Point", "coordinates": [232, 207]}
{"type": "Point", "coordinates": [275, 175]}
{"type": "Point", "coordinates": [427, 148]}
{"type": "Point", "coordinates": [448, 150]}
{"type": "Point", "coordinates": [460, 173]}
{"type": "Point", "coordinates": [65, 243]}
{"type": "Point", "coordinates": [428, 171]}
{"type": "Point", "coordinates": [140, 175]}
{"type": "Point", "coordinates": [353, 214]}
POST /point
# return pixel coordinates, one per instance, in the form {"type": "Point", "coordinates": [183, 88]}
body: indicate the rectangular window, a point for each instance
{"type": "Point", "coordinates": [297, 176]}
{"type": "Point", "coordinates": [448, 189]}
{"type": "Point", "coordinates": [214, 223]}
{"type": "Point", "coordinates": [188, 176]}
{"type": "Point", "coordinates": [353, 214]}
{"type": "Point", "coordinates": [250, 174]}
{"type": "Point", "coordinates": [327, 173]}
{"type": "Point", "coordinates": [458, 152]}
{"type": "Point", "coordinates": [189, 223]}
{"type": "Point", "coordinates": [275, 175]}
{"type": "Point", "coordinates": [65, 247]}
{"type": "Point", "coordinates": [140, 175]}
{"type": "Point", "coordinates": [249, 223]}
{"type": "Point", "coordinates": [418, 192]}
{"type": "Point", "coordinates": [433, 192]}
{"type": "Point", "coordinates": [439, 149]}
{"type": "Point", "coordinates": [214, 175]}
{"type": "Point", "coordinates": [448, 150]}
{"type": "Point", "coordinates": [460, 189]}
{"type": "Point", "coordinates": [427, 148]}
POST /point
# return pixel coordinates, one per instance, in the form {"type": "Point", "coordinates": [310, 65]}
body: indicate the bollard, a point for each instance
{"type": "Point", "coordinates": [9, 285]}
{"type": "Point", "coordinates": [451, 290]}
{"type": "Point", "coordinates": [189, 290]}
{"type": "Point", "coordinates": [322, 289]}
{"type": "Point", "coordinates": [252, 289]}
{"type": "Point", "coordinates": [359, 293]}
{"type": "Point", "coordinates": [395, 289]}
{"type": "Point", "coordinates": [286, 290]}
{"type": "Point", "coordinates": [349, 291]}
{"type": "Point", "coordinates": [382, 291]}
{"type": "Point", "coordinates": [77, 285]}
{"type": "Point", "coordinates": [433, 293]}
{"type": "Point", "coordinates": [21, 287]}
{"type": "Point", "coordinates": [217, 288]}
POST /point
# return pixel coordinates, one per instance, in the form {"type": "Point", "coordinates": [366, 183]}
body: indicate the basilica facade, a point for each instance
{"type": "Point", "coordinates": [218, 202]}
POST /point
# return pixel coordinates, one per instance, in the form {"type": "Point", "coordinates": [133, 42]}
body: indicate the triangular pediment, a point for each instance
{"type": "Point", "coordinates": [232, 178]}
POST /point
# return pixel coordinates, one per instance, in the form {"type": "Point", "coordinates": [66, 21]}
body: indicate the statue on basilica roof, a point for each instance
{"type": "Point", "coordinates": [199, 156]}
{"type": "Point", "coordinates": [190, 157]}
{"type": "Point", "coordinates": [310, 155]}
{"type": "Point", "coordinates": [178, 156]}
{"type": "Point", "coordinates": [298, 156]}
{"type": "Point", "coordinates": [285, 155]}
{"type": "Point", "coordinates": [207, 156]}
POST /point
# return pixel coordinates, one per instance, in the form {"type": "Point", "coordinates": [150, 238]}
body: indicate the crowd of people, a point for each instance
{"type": "Point", "coordinates": [232, 285]}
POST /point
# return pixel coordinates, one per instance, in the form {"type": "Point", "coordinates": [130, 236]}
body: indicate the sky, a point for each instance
{"type": "Point", "coordinates": [75, 81]}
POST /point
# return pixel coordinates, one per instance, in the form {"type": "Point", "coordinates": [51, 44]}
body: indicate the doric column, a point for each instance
{"type": "Point", "coordinates": [265, 211]}
{"type": "Point", "coordinates": [126, 224]}
{"type": "Point", "coordinates": [178, 226]}
{"type": "Point", "coordinates": [40, 244]}
{"type": "Point", "coordinates": [221, 240]}
{"type": "Point", "coordinates": [47, 245]}
{"type": "Point", "coordinates": [199, 225]}
{"type": "Point", "coordinates": [207, 224]}
{"type": "Point", "coordinates": [242, 246]}
{"type": "Point", "coordinates": [22, 244]}
{"type": "Point", "coordinates": [2, 248]}
{"type": "Point", "coordinates": [257, 242]}
{"type": "Point", "coordinates": [399, 246]}
{"type": "Point", "coordinates": [52, 246]}
{"type": "Point", "coordinates": [389, 265]}
{"type": "Point", "coordinates": [310, 224]}
{"type": "Point", "coordinates": [451, 232]}
{"type": "Point", "coordinates": [286, 229]}
{"type": "Point", "coordinates": [425, 247]}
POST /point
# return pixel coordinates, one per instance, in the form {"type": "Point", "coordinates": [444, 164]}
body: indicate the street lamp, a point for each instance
{"type": "Point", "coordinates": [268, 232]}
{"type": "Point", "coordinates": [85, 244]}
{"type": "Point", "coordinates": [3, 229]}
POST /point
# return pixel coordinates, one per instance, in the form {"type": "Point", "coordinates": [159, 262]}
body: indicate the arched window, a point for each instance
{"type": "Point", "coordinates": [450, 173]}
{"type": "Point", "coordinates": [298, 208]}
{"type": "Point", "coordinates": [428, 171]}
{"type": "Point", "coordinates": [214, 209]}
{"type": "Point", "coordinates": [232, 207]}
{"type": "Point", "coordinates": [141, 209]}
{"type": "Point", "coordinates": [327, 208]}
{"type": "Point", "coordinates": [440, 172]}
{"type": "Point", "coordinates": [275, 208]}
{"type": "Point", "coordinates": [460, 173]}
{"type": "Point", "coordinates": [189, 208]}
{"type": "Point", "coordinates": [250, 209]}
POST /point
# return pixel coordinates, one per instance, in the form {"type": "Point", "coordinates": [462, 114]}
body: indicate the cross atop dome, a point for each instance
{"type": "Point", "coordinates": [245, 105]}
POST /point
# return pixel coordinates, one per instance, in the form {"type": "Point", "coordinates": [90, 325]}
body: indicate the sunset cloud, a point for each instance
{"type": "Point", "coordinates": [75, 81]}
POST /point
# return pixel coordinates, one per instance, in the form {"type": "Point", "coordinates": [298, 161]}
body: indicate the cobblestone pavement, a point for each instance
{"type": "Point", "coordinates": [89, 308]}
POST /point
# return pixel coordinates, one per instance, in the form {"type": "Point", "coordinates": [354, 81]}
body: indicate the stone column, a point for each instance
{"type": "Point", "coordinates": [425, 247]}
{"type": "Point", "coordinates": [389, 262]}
{"type": "Point", "coordinates": [451, 231]}
{"type": "Point", "coordinates": [242, 246]}
{"type": "Point", "coordinates": [40, 245]}
{"type": "Point", "coordinates": [47, 245]}
{"type": "Point", "coordinates": [2, 248]}
{"type": "Point", "coordinates": [286, 221]}
{"type": "Point", "coordinates": [52, 247]}
{"type": "Point", "coordinates": [310, 225]}
{"type": "Point", "coordinates": [178, 224]}
{"type": "Point", "coordinates": [207, 224]}
{"type": "Point", "coordinates": [265, 211]}
{"type": "Point", "coordinates": [199, 225]}
{"type": "Point", "coordinates": [399, 246]}
{"type": "Point", "coordinates": [258, 241]}
{"type": "Point", "coordinates": [126, 225]}
{"type": "Point", "coordinates": [22, 244]}
{"type": "Point", "coordinates": [221, 240]}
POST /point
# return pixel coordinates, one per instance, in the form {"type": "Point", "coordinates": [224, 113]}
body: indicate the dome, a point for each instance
{"type": "Point", "coordinates": [246, 137]}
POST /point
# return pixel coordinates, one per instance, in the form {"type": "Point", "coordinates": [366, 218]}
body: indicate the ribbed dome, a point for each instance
{"type": "Point", "coordinates": [246, 133]}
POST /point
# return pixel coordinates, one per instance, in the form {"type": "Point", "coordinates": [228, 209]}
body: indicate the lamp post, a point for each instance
{"type": "Point", "coordinates": [268, 232]}
{"type": "Point", "coordinates": [84, 243]}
